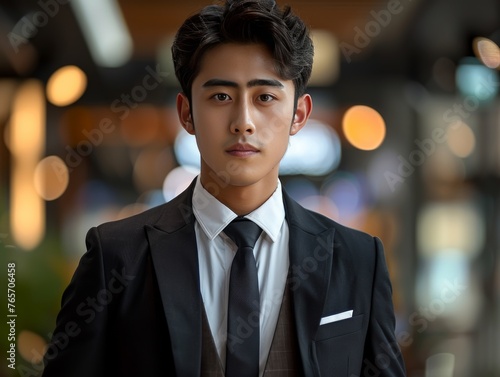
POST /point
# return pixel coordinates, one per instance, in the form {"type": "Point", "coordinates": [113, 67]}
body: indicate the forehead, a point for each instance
{"type": "Point", "coordinates": [237, 62]}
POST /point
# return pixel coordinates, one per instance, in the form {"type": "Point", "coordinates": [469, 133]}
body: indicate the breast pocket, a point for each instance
{"type": "Point", "coordinates": [339, 346]}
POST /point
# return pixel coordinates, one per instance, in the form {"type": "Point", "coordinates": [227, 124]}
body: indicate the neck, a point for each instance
{"type": "Point", "coordinates": [241, 199]}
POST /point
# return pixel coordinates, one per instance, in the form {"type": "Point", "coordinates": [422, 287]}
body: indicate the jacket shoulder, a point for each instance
{"type": "Point", "coordinates": [132, 224]}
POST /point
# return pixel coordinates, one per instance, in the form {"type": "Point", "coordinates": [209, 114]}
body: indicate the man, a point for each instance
{"type": "Point", "coordinates": [176, 291]}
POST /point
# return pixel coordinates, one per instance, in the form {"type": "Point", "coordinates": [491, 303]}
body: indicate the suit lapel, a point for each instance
{"type": "Point", "coordinates": [172, 242]}
{"type": "Point", "coordinates": [311, 251]}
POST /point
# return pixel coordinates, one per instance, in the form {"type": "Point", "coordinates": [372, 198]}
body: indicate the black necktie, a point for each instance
{"type": "Point", "coordinates": [243, 338]}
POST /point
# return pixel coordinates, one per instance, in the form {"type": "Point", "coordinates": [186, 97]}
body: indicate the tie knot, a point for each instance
{"type": "Point", "coordinates": [243, 232]}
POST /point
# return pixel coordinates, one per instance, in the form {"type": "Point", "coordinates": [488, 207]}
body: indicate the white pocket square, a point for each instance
{"type": "Point", "coordinates": [336, 317]}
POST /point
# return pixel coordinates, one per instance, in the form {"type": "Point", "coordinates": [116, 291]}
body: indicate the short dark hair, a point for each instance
{"type": "Point", "coordinates": [245, 21]}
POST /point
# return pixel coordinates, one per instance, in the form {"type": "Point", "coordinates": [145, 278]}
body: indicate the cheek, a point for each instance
{"type": "Point", "coordinates": [276, 127]}
{"type": "Point", "coordinates": [280, 118]}
{"type": "Point", "coordinates": [276, 141]}
{"type": "Point", "coordinates": [210, 120]}
{"type": "Point", "coordinates": [209, 138]}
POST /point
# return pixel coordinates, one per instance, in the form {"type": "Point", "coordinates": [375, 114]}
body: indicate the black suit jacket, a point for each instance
{"type": "Point", "coordinates": [134, 307]}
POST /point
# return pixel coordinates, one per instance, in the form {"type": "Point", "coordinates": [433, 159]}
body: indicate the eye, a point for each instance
{"type": "Point", "coordinates": [266, 98]}
{"type": "Point", "coordinates": [221, 97]}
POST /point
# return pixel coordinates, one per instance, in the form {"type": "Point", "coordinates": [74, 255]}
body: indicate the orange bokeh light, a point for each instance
{"type": "Point", "coordinates": [487, 51]}
{"type": "Point", "coordinates": [66, 85]}
{"type": "Point", "coordinates": [363, 127]}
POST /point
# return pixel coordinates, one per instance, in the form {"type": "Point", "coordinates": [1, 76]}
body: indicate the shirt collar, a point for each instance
{"type": "Point", "coordinates": [213, 216]}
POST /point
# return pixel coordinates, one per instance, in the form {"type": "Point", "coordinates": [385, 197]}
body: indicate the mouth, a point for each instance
{"type": "Point", "coordinates": [242, 150]}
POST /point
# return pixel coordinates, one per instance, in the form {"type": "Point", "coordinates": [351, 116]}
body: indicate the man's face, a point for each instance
{"type": "Point", "coordinates": [242, 115]}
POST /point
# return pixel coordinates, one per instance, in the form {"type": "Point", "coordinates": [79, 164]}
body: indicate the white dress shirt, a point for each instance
{"type": "Point", "coordinates": [216, 252]}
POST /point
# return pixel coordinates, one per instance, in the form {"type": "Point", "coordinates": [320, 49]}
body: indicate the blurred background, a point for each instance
{"type": "Point", "coordinates": [404, 144]}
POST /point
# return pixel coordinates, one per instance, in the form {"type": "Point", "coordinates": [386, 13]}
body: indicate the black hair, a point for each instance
{"type": "Point", "coordinates": [245, 21]}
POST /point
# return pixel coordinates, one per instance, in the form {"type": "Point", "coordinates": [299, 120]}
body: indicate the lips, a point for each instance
{"type": "Point", "coordinates": [242, 150]}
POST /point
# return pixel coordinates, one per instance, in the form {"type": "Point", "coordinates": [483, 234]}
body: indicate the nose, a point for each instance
{"type": "Point", "coordinates": [242, 120]}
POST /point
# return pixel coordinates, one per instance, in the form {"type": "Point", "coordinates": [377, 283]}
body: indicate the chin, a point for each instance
{"type": "Point", "coordinates": [242, 182]}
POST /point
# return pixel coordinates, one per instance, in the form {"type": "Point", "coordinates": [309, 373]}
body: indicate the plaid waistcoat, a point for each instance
{"type": "Point", "coordinates": [283, 359]}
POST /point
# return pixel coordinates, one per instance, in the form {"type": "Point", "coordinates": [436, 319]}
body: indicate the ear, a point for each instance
{"type": "Point", "coordinates": [302, 113]}
{"type": "Point", "coordinates": [184, 113]}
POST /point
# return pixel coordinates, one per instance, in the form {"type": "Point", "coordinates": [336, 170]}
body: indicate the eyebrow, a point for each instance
{"type": "Point", "coordinates": [250, 84]}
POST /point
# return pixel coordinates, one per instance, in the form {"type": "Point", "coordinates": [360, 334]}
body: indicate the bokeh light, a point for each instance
{"type": "Point", "coordinates": [66, 85]}
{"type": "Point", "coordinates": [440, 365]}
{"type": "Point", "coordinates": [446, 288]}
{"type": "Point", "coordinates": [177, 181]}
{"type": "Point", "coordinates": [450, 228]}
{"type": "Point", "coordinates": [31, 346]}
{"type": "Point", "coordinates": [185, 149]}
{"type": "Point", "coordinates": [476, 81]}
{"type": "Point", "coordinates": [105, 31]}
{"type": "Point", "coordinates": [27, 144]}
{"type": "Point", "coordinates": [27, 126]}
{"type": "Point", "coordinates": [315, 150]}
{"type": "Point", "coordinates": [344, 190]}
{"type": "Point", "coordinates": [461, 140]}
{"type": "Point", "coordinates": [363, 127]}
{"type": "Point", "coordinates": [487, 51]}
{"type": "Point", "coordinates": [326, 65]}
{"type": "Point", "coordinates": [51, 178]}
